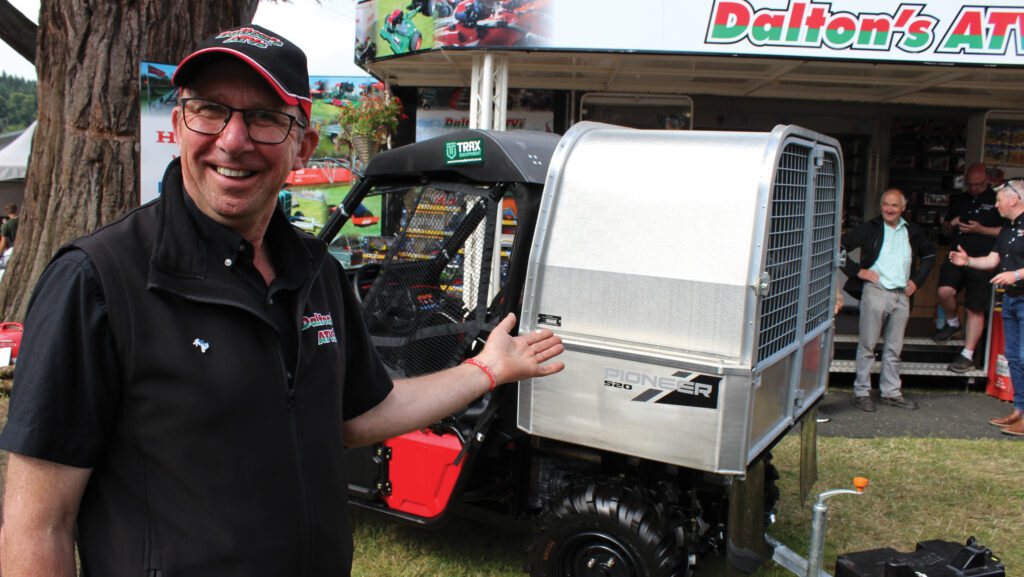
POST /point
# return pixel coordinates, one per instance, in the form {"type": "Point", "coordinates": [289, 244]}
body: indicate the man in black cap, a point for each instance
{"type": "Point", "coordinates": [191, 373]}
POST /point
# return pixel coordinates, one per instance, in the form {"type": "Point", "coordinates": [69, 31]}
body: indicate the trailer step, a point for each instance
{"type": "Point", "coordinates": [933, 369]}
{"type": "Point", "coordinates": [927, 342]}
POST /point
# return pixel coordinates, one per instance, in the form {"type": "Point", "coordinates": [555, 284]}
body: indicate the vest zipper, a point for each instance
{"type": "Point", "coordinates": [291, 381]}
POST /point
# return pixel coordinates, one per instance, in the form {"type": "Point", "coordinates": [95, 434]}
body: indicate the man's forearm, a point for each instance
{"type": "Point", "coordinates": [987, 262]}
{"type": "Point", "coordinates": [41, 501]}
{"type": "Point", "coordinates": [24, 553]}
{"type": "Point", "coordinates": [416, 403]}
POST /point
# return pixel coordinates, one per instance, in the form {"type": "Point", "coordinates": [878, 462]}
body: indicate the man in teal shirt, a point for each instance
{"type": "Point", "coordinates": [884, 280]}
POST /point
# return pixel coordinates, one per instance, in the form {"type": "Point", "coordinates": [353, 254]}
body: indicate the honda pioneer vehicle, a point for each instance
{"type": "Point", "coordinates": [691, 276]}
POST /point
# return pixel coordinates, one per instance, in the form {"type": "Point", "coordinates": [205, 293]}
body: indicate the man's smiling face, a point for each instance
{"type": "Point", "coordinates": [232, 179]}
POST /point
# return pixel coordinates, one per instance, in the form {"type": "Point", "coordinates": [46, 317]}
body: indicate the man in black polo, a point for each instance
{"type": "Point", "coordinates": [973, 223]}
{"type": "Point", "coordinates": [191, 374]}
{"type": "Point", "coordinates": [1008, 255]}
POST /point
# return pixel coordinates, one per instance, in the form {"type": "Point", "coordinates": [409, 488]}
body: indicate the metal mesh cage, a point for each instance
{"type": "Point", "coordinates": [416, 308]}
{"type": "Point", "coordinates": [823, 244]}
{"type": "Point", "coordinates": [778, 323]}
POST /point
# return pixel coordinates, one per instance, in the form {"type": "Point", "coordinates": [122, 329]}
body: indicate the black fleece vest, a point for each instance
{"type": "Point", "coordinates": [222, 462]}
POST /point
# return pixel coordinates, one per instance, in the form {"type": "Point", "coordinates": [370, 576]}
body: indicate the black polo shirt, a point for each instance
{"type": "Point", "coordinates": [1010, 245]}
{"type": "Point", "coordinates": [981, 209]}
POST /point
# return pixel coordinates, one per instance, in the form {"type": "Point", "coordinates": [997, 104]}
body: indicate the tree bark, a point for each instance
{"type": "Point", "coordinates": [84, 168]}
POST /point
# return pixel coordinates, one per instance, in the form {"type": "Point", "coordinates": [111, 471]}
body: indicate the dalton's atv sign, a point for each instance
{"type": "Point", "coordinates": [907, 28]}
{"type": "Point", "coordinates": [985, 32]}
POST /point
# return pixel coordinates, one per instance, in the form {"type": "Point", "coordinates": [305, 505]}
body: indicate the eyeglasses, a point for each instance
{"type": "Point", "coordinates": [210, 118]}
{"type": "Point", "coordinates": [1014, 189]}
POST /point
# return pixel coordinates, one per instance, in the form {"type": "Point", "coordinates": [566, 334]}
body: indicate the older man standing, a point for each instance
{"type": "Point", "coordinates": [895, 259]}
{"type": "Point", "coordinates": [172, 413]}
{"type": "Point", "coordinates": [1008, 255]}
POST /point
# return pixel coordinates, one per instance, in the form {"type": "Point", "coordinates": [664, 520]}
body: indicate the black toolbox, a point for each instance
{"type": "Point", "coordinates": [931, 558]}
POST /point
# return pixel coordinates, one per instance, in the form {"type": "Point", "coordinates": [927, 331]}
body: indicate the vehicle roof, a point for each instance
{"type": "Point", "coordinates": [514, 156]}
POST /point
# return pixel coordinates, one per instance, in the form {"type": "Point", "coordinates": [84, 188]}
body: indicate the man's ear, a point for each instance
{"type": "Point", "coordinates": [176, 122]}
{"type": "Point", "coordinates": [310, 138]}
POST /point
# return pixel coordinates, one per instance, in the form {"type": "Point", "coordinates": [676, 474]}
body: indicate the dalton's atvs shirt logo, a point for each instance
{"type": "Point", "coordinates": [982, 30]}
{"type": "Point", "coordinates": [324, 326]}
{"type": "Point", "coordinates": [249, 36]}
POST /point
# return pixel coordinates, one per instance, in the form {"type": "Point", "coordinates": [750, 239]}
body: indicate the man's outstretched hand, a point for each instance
{"type": "Point", "coordinates": [521, 357]}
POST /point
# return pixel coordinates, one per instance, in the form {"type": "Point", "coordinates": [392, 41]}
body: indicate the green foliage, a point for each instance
{"type": "Point", "coordinates": [18, 102]}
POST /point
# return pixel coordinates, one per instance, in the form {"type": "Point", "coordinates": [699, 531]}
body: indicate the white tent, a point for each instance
{"type": "Point", "coordinates": [14, 156]}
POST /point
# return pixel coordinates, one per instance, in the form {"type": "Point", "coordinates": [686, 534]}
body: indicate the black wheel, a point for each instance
{"type": "Point", "coordinates": [606, 531]}
{"type": "Point", "coordinates": [416, 42]}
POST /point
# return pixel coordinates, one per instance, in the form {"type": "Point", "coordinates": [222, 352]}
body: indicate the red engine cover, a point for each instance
{"type": "Point", "coordinates": [422, 472]}
{"type": "Point", "coordinates": [10, 337]}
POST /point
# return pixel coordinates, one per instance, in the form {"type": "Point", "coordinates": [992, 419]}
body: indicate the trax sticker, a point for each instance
{"type": "Point", "coordinates": [464, 152]}
{"type": "Point", "coordinates": [682, 388]}
{"type": "Point", "coordinates": [324, 325]}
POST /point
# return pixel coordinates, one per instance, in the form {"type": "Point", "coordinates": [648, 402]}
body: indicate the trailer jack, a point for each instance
{"type": "Point", "coordinates": [811, 567]}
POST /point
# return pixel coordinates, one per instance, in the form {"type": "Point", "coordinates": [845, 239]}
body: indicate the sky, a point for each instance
{"type": "Point", "coordinates": [325, 31]}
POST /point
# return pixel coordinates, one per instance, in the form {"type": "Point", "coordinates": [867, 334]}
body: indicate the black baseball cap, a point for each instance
{"type": "Point", "coordinates": [277, 60]}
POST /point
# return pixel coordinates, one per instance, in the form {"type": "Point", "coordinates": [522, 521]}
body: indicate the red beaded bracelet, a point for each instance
{"type": "Point", "coordinates": [483, 367]}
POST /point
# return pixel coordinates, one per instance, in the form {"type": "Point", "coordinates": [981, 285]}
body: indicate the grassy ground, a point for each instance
{"type": "Point", "coordinates": [921, 489]}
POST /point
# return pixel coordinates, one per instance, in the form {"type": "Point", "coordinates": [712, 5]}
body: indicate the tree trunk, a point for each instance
{"type": "Point", "coordinates": [84, 167]}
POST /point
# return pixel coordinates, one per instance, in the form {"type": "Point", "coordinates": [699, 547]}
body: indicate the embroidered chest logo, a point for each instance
{"type": "Point", "coordinates": [202, 345]}
{"type": "Point", "coordinates": [324, 327]}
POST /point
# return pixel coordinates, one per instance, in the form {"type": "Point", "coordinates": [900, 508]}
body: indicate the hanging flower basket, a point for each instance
{"type": "Point", "coordinates": [364, 147]}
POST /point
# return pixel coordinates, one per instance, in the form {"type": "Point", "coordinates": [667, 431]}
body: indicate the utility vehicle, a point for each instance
{"type": "Point", "coordinates": [692, 278]}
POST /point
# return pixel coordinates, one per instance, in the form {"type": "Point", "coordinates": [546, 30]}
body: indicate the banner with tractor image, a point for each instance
{"type": "Point", "coordinates": [389, 27]}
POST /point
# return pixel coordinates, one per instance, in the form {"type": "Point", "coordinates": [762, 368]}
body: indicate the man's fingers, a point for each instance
{"type": "Point", "coordinates": [549, 352]}
{"type": "Point", "coordinates": [551, 369]}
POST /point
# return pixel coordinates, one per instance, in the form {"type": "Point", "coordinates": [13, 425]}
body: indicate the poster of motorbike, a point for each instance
{"type": "Point", "coordinates": [939, 31]}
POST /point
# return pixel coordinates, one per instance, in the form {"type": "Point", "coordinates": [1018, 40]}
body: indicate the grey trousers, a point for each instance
{"type": "Point", "coordinates": [883, 313]}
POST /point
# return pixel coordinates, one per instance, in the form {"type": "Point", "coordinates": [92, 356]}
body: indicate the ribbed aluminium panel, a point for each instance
{"type": "Point", "coordinates": [779, 309]}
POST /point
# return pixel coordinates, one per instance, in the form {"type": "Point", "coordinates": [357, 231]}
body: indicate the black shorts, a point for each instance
{"type": "Point", "coordinates": [979, 289]}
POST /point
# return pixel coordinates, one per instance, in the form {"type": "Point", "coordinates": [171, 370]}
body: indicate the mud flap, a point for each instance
{"type": "Point", "coordinates": [746, 547]}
